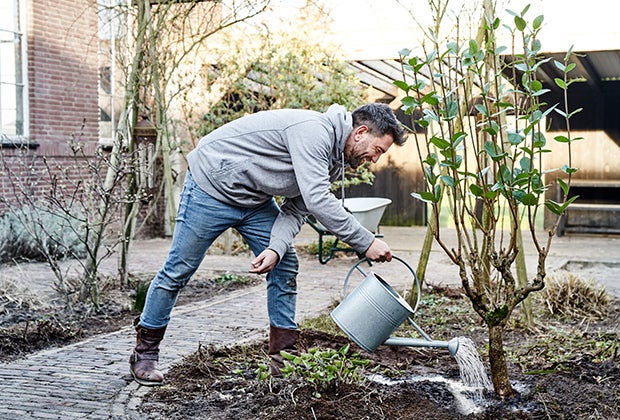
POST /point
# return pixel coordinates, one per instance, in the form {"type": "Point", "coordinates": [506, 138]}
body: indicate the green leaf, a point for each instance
{"type": "Point", "coordinates": [538, 20]}
{"type": "Point", "coordinates": [554, 207]}
{"type": "Point", "coordinates": [536, 45]}
{"type": "Point", "coordinates": [452, 110]}
{"type": "Point", "coordinates": [492, 128]}
{"type": "Point", "coordinates": [560, 82]}
{"type": "Point", "coordinates": [440, 143]}
{"type": "Point", "coordinates": [537, 183]}
{"type": "Point", "coordinates": [557, 208]}
{"type": "Point", "coordinates": [430, 98]}
{"type": "Point", "coordinates": [539, 140]}
{"type": "Point", "coordinates": [505, 174]}
{"type": "Point", "coordinates": [522, 67]}
{"type": "Point", "coordinates": [431, 115]}
{"type": "Point", "coordinates": [569, 52]}
{"type": "Point", "coordinates": [448, 180]}
{"type": "Point", "coordinates": [536, 85]}
{"type": "Point", "coordinates": [570, 201]}
{"type": "Point", "coordinates": [431, 159]}
{"type": "Point", "coordinates": [453, 47]}
{"type": "Point", "coordinates": [518, 195]}
{"type": "Point", "coordinates": [578, 110]}
{"type": "Point", "coordinates": [515, 138]}
{"type": "Point", "coordinates": [541, 92]}
{"type": "Point", "coordinates": [457, 138]}
{"type": "Point", "coordinates": [526, 164]}
{"type": "Point", "coordinates": [494, 151]}
{"type": "Point", "coordinates": [482, 109]}
{"type": "Point", "coordinates": [564, 186]}
{"type": "Point", "coordinates": [569, 170]}
{"type": "Point", "coordinates": [402, 85]}
{"type": "Point", "coordinates": [529, 199]}
{"type": "Point", "coordinates": [430, 176]}
{"type": "Point", "coordinates": [437, 193]}
{"type": "Point", "coordinates": [409, 101]}
{"type": "Point", "coordinates": [562, 139]}
{"type": "Point", "coordinates": [490, 195]}
{"type": "Point", "coordinates": [473, 46]}
{"type": "Point", "coordinates": [425, 196]}
{"type": "Point", "coordinates": [453, 162]}
{"type": "Point", "coordinates": [476, 190]}
{"type": "Point", "coordinates": [520, 23]}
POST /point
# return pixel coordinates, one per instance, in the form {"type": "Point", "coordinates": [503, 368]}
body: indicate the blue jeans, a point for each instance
{"type": "Point", "coordinates": [200, 220]}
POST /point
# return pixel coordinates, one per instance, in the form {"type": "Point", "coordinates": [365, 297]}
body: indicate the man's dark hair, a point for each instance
{"type": "Point", "coordinates": [380, 120]}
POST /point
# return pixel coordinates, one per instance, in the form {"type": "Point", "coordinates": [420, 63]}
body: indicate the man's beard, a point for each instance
{"type": "Point", "coordinates": [354, 161]}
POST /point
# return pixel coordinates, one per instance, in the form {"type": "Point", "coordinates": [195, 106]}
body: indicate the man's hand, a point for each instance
{"type": "Point", "coordinates": [379, 251]}
{"type": "Point", "coordinates": [264, 262]}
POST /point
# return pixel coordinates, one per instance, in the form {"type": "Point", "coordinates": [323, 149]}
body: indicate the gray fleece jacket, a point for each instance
{"type": "Point", "coordinates": [291, 153]}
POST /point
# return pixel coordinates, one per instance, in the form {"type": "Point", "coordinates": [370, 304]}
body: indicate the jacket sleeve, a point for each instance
{"type": "Point", "coordinates": [311, 149]}
{"type": "Point", "coordinates": [287, 225]}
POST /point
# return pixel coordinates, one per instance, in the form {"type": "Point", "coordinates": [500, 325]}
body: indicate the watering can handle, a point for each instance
{"type": "Point", "coordinates": [356, 266]}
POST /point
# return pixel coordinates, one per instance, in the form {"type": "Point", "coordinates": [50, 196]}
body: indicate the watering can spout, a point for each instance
{"type": "Point", "coordinates": [452, 346]}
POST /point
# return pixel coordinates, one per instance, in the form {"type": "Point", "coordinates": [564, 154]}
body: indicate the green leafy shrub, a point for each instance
{"type": "Point", "coordinates": [231, 278]}
{"type": "Point", "coordinates": [139, 296]}
{"type": "Point", "coordinates": [325, 368]}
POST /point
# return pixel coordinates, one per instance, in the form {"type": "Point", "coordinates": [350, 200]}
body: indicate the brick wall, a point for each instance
{"type": "Point", "coordinates": [62, 45]}
{"type": "Point", "coordinates": [62, 92]}
{"type": "Point", "coordinates": [62, 73]}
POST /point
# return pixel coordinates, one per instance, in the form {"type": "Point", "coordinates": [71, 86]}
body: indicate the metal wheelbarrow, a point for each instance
{"type": "Point", "coordinates": [367, 210]}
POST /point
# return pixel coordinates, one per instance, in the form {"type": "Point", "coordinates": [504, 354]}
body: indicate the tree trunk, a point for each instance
{"type": "Point", "coordinates": [497, 360]}
{"type": "Point", "coordinates": [526, 306]}
{"type": "Point", "coordinates": [425, 253]}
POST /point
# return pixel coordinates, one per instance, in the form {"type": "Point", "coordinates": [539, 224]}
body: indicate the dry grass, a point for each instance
{"type": "Point", "coordinates": [571, 295]}
{"type": "Point", "coordinates": [16, 294]}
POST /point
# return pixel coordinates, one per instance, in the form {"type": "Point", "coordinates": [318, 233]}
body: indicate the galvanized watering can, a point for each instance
{"type": "Point", "coordinates": [373, 310]}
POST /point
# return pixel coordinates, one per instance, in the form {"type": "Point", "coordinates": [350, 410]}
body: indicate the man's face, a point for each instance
{"type": "Point", "coordinates": [363, 147]}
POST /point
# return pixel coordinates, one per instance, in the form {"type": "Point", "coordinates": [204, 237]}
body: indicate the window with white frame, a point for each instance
{"type": "Point", "coordinates": [13, 89]}
{"type": "Point", "coordinates": [111, 27]}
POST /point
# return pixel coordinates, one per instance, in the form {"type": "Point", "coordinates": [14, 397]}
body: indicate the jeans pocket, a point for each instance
{"type": "Point", "coordinates": [186, 193]}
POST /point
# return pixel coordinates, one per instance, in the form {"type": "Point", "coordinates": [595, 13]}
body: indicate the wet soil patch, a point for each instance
{"type": "Point", "coordinates": [564, 368]}
{"type": "Point", "coordinates": [222, 384]}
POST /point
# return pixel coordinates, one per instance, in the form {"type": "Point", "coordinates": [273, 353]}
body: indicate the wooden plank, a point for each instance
{"type": "Point", "coordinates": [594, 207]}
{"type": "Point", "coordinates": [374, 79]}
{"type": "Point", "coordinates": [596, 183]}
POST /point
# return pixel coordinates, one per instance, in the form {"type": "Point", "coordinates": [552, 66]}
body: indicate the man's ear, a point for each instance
{"type": "Point", "coordinates": [362, 129]}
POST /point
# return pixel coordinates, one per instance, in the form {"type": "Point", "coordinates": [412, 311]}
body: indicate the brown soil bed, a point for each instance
{"type": "Point", "coordinates": [25, 328]}
{"type": "Point", "coordinates": [554, 376]}
{"type": "Point", "coordinates": [565, 368]}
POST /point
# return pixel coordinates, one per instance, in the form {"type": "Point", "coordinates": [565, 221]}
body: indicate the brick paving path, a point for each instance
{"type": "Point", "coordinates": [90, 379]}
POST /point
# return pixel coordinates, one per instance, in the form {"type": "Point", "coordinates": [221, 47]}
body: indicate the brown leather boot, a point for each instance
{"type": "Point", "coordinates": [143, 361]}
{"type": "Point", "coordinates": [281, 339]}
